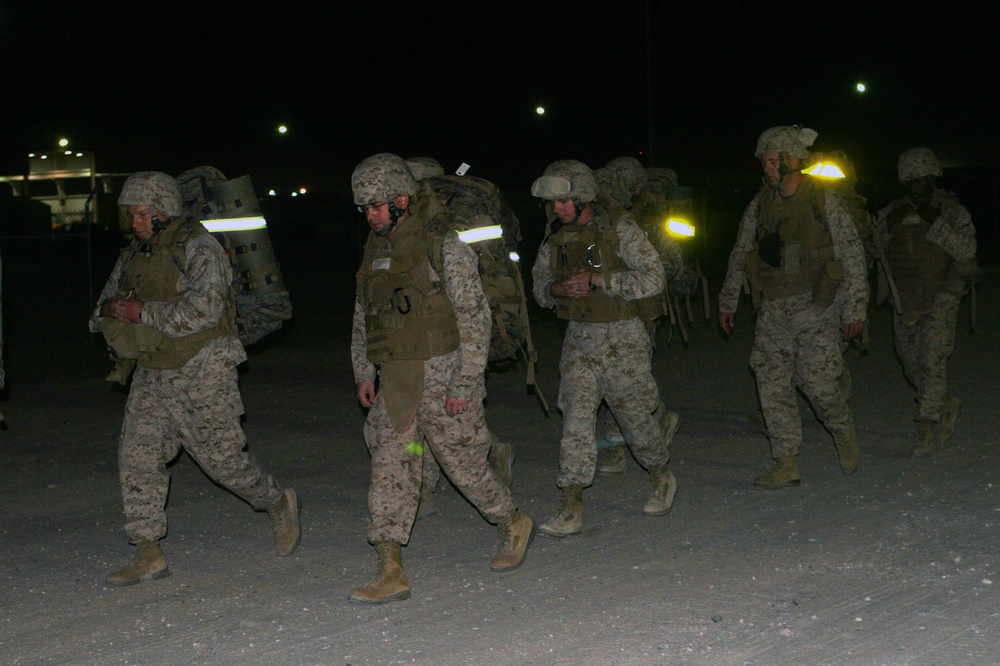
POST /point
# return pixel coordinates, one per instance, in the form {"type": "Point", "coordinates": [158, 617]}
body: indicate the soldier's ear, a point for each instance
{"type": "Point", "coordinates": [401, 201]}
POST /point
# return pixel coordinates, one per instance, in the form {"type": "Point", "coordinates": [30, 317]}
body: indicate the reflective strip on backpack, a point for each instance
{"type": "Point", "coordinates": [236, 224]}
{"type": "Point", "coordinates": [481, 233]}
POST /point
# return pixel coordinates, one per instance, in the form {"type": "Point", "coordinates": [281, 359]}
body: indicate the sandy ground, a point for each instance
{"type": "Point", "coordinates": [895, 565]}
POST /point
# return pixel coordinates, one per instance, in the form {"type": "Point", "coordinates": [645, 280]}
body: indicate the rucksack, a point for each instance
{"type": "Point", "coordinates": [262, 302]}
{"type": "Point", "coordinates": [469, 203]}
{"type": "Point", "coordinates": [857, 205]}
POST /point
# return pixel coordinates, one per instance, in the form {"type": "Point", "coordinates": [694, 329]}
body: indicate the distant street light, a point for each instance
{"type": "Point", "coordinates": [282, 129]}
{"type": "Point", "coordinates": [63, 143]}
{"type": "Point", "coordinates": [540, 110]}
{"type": "Point", "coordinates": [861, 87]}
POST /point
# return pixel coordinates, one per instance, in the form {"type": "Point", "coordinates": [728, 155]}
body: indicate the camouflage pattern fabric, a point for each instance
{"type": "Point", "coordinates": [430, 470]}
{"type": "Point", "coordinates": [797, 344]}
{"type": "Point", "coordinates": [853, 292]}
{"type": "Point", "coordinates": [154, 189]}
{"type": "Point", "coordinates": [196, 407]}
{"type": "Point", "coordinates": [460, 443]}
{"type": "Point", "coordinates": [608, 361]}
{"type": "Point", "coordinates": [924, 345]}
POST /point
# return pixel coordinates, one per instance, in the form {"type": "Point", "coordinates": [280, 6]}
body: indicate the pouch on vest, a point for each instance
{"type": "Point", "coordinates": [402, 384]}
{"type": "Point", "coordinates": [829, 281]}
{"type": "Point", "coordinates": [127, 341]}
{"type": "Point", "coordinates": [769, 249]}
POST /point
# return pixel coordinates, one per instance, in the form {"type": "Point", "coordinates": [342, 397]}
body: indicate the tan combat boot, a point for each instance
{"type": "Point", "coordinates": [848, 451]}
{"type": "Point", "coordinates": [569, 520]}
{"type": "Point", "coordinates": [946, 428]}
{"type": "Point", "coordinates": [148, 564]}
{"type": "Point", "coordinates": [426, 506]}
{"type": "Point", "coordinates": [285, 524]}
{"type": "Point", "coordinates": [925, 439]}
{"type": "Point", "coordinates": [784, 474]}
{"type": "Point", "coordinates": [389, 582]}
{"type": "Point", "coordinates": [515, 537]}
{"type": "Point", "coordinates": [669, 423]}
{"type": "Point", "coordinates": [664, 486]}
{"type": "Point", "coordinates": [614, 461]}
{"type": "Point", "coordinates": [501, 461]}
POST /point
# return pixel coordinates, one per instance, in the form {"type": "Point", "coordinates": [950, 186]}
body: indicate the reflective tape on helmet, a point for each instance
{"type": "Point", "coordinates": [236, 224]}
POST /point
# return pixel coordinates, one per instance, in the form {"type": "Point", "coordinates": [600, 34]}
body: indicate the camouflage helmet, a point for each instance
{"type": "Point", "coordinates": [154, 189]}
{"type": "Point", "coordinates": [630, 170]}
{"type": "Point", "coordinates": [917, 163]}
{"type": "Point", "coordinates": [611, 188]}
{"type": "Point", "coordinates": [791, 139]}
{"type": "Point", "coordinates": [381, 176]}
{"type": "Point", "coordinates": [661, 179]}
{"type": "Point", "coordinates": [566, 179]}
{"type": "Point", "coordinates": [199, 198]}
{"type": "Point", "coordinates": [424, 167]}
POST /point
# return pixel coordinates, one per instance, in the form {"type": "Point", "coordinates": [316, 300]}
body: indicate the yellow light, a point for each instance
{"type": "Point", "coordinates": [63, 143]}
{"type": "Point", "coordinates": [282, 129]}
{"type": "Point", "coordinates": [861, 87]}
{"type": "Point", "coordinates": [514, 256]}
{"type": "Point", "coordinates": [236, 224]}
{"type": "Point", "coordinates": [540, 110]}
{"type": "Point", "coordinates": [825, 170]}
{"type": "Point", "coordinates": [680, 228]}
{"type": "Point", "coordinates": [481, 234]}
{"type": "Point", "coordinates": [302, 190]}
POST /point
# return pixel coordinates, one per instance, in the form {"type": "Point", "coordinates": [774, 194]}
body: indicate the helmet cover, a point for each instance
{"type": "Point", "coordinates": [381, 176]}
{"type": "Point", "coordinates": [791, 139]}
{"type": "Point", "coordinates": [155, 189]}
{"type": "Point", "coordinates": [566, 179]}
{"type": "Point", "coordinates": [918, 162]}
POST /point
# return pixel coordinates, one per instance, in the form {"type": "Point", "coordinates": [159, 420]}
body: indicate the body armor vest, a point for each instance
{"type": "Point", "coordinates": [155, 275]}
{"type": "Point", "coordinates": [408, 315]}
{"type": "Point", "coordinates": [594, 248]}
{"type": "Point", "coordinates": [805, 243]}
{"type": "Point", "coordinates": [921, 269]}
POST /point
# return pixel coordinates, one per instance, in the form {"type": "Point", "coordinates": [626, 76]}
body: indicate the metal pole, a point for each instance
{"type": "Point", "coordinates": [649, 89]}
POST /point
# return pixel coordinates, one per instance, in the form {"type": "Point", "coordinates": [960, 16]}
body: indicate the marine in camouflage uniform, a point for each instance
{"type": "Point", "coordinates": [501, 456]}
{"type": "Point", "coordinates": [802, 250]}
{"type": "Point", "coordinates": [424, 330]}
{"type": "Point", "coordinates": [593, 267]}
{"type": "Point", "coordinates": [622, 182]}
{"type": "Point", "coordinates": [167, 310]}
{"type": "Point", "coordinates": [930, 244]}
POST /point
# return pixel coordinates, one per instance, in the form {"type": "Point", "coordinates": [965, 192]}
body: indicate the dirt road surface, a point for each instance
{"type": "Point", "coordinates": [896, 565]}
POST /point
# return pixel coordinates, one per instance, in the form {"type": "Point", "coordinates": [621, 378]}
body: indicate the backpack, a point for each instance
{"type": "Point", "coordinates": [469, 203]}
{"type": "Point", "coordinates": [262, 303]}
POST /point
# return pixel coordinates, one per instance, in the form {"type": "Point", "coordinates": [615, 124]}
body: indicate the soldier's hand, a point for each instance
{"type": "Point", "coordinates": [366, 393]}
{"type": "Point", "coordinates": [455, 406]}
{"type": "Point", "coordinates": [852, 330]}
{"type": "Point", "coordinates": [574, 286]}
{"type": "Point", "coordinates": [727, 320]}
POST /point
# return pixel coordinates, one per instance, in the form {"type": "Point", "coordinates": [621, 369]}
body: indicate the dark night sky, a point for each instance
{"type": "Point", "coordinates": [173, 85]}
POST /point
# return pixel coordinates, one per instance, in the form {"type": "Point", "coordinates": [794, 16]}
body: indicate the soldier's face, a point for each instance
{"type": "Point", "coordinates": [772, 162]}
{"type": "Point", "coordinates": [918, 189]}
{"type": "Point", "coordinates": [140, 218]}
{"type": "Point", "coordinates": [378, 215]}
{"type": "Point", "coordinates": [564, 210]}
